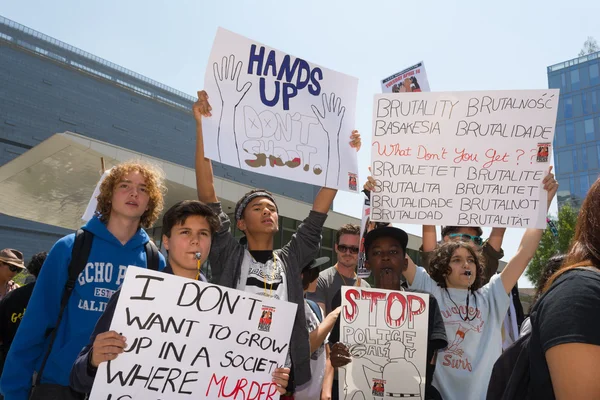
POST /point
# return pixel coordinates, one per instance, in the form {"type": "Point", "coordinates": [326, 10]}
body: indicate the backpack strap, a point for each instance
{"type": "Point", "coordinates": [152, 260]}
{"type": "Point", "coordinates": [80, 252]}
{"type": "Point", "coordinates": [316, 309]}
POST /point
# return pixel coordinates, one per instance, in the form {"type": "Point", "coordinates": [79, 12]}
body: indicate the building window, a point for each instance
{"type": "Point", "coordinates": [577, 106]}
{"type": "Point", "coordinates": [560, 136]}
{"type": "Point", "coordinates": [584, 76]}
{"type": "Point", "coordinates": [563, 82]}
{"type": "Point", "coordinates": [582, 153]}
{"type": "Point", "coordinates": [575, 83]}
{"type": "Point", "coordinates": [594, 75]}
{"type": "Point", "coordinates": [589, 130]}
{"type": "Point", "coordinates": [587, 103]}
{"type": "Point", "coordinates": [569, 107]}
{"type": "Point", "coordinates": [579, 132]}
{"type": "Point", "coordinates": [570, 130]}
{"type": "Point", "coordinates": [572, 185]}
{"type": "Point", "coordinates": [555, 81]}
{"type": "Point", "coordinates": [592, 157]}
{"type": "Point", "coordinates": [595, 103]}
{"type": "Point", "coordinates": [583, 185]}
{"type": "Point", "coordinates": [574, 158]}
{"type": "Point", "coordinates": [564, 164]}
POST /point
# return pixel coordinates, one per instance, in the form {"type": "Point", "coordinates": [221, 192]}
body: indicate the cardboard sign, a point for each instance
{"type": "Point", "coordinates": [463, 158]}
{"type": "Point", "coordinates": [279, 115]}
{"type": "Point", "coordinates": [189, 339]}
{"type": "Point", "coordinates": [386, 333]}
{"type": "Point", "coordinates": [411, 80]}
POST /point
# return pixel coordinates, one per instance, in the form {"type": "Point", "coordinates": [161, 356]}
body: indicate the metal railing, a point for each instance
{"type": "Point", "coordinates": [575, 61]}
{"type": "Point", "coordinates": [84, 54]}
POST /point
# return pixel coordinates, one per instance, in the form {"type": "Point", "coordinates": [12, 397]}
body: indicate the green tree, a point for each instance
{"type": "Point", "coordinates": [589, 46]}
{"type": "Point", "coordinates": [552, 244]}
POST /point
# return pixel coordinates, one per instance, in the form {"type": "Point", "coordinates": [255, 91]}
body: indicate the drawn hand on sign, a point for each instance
{"type": "Point", "coordinates": [331, 121]}
{"type": "Point", "coordinates": [227, 78]}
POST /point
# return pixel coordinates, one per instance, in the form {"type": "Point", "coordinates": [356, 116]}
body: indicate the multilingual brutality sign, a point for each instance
{"type": "Point", "coordinates": [462, 158]}
{"type": "Point", "coordinates": [189, 339]}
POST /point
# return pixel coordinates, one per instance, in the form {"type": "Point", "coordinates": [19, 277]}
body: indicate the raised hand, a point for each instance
{"type": "Point", "coordinates": [201, 108]}
{"type": "Point", "coordinates": [227, 77]}
{"type": "Point", "coordinates": [332, 116]}
{"type": "Point", "coordinates": [331, 120]}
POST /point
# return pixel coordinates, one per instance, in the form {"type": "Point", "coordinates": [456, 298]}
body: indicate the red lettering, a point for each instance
{"type": "Point", "coordinates": [414, 312]}
{"type": "Point", "coordinates": [267, 389]}
{"type": "Point", "coordinates": [493, 157]}
{"type": "Point", "coordinates": [350, 315]}
{"type": "Point", "coordinates": [463, 156]}
{"type": "Point", "coordinates": [457, 364]}
{"type": "Point", "coordinates": [374, 297]}
{"type": "Point", "coordinates": [398, 322]}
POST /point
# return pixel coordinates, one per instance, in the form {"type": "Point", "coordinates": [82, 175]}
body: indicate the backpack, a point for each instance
{"type": "Point", "coordinates": [316, 309]}
{"type": "Point", "coordinates": [510, 378]}
{"type": "Point", "coordinates": [79, 256]}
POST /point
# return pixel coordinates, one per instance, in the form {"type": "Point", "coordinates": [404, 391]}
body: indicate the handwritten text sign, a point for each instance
{"type": "Point", "coordinates": [189, 339]}
{"type": "Point", "coordinates": [279, 115]}
{"type": "Point", "coordinates": [386, 333]}
{"type": "Point", "coordinates": [410, 80]}
{"type": "Point", "coordinates": [462, 159]}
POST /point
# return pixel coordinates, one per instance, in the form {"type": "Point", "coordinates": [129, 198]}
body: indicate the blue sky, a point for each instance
{"type": "Point", "coordinates": [466, 45]}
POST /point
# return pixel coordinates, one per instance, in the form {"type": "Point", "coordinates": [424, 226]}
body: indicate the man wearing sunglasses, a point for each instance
{"type": "Point", "coordinates": [343, 273]}
{"type": "Point", "coordinates": [491, 249]}
{"type": "Point", "coordinates": [11, 263]}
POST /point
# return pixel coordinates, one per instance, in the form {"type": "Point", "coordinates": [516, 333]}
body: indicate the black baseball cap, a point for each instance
{"type": "Point", "coordinates": [386, 231]}
{"type": "Point", "coordinates": [317, 262]}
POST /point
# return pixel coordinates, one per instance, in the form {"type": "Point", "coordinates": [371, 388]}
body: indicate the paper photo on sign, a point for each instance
{"type": "Point", "coordinates": [190, 339]}
{"type": "Point", "coordinates": [279, 115]}
{"type": "Point", "coordinates": [462, 158]}
{"type": "Point", "coordinates": [386, 333]}
{"type": "Point", "coordinates": [411, 80]}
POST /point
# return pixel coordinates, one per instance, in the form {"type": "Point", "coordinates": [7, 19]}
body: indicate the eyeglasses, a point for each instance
{"type": "Point", "coordinates": [466, 237]}
{"type": "Point", "coordinates": [13, 268]}
{"type": "Point", "coordinates": [343, 248]}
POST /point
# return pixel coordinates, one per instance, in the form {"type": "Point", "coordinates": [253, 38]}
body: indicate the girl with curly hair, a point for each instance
{"type": "Point", "coordinates": [472, 312]}
{"type": "Point", "coordinates": [130, 199]}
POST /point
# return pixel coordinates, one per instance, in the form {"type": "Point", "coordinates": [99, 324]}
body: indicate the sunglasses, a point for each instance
{"type": "Point", "coordinates": [13, 268]}
{"type": "Point", "coordinates": [343, 248]}
{"type": "Point", "coordinates": [466, 237]}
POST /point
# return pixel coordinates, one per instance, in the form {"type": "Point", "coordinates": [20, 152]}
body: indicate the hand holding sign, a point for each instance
{"type": "Point", "coordinates": [107, 346]}
{"type": "Point", "coordinates": [550, 185]}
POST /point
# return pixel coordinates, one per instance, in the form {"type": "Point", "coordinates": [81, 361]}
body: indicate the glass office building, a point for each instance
{"type": "Point", "coordinates": [577, 138]}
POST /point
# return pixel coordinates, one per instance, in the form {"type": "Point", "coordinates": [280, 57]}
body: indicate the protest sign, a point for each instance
{"type": "Point", "coordinates": [411, 80]}
{"type": "Point", "coordinates": [189, 338]}
{"type": "Point", "coordinates": [462, 158]}
{"type": "Point", "coordinates": [386, 333]}
{"type": "Point", "coordinates": [279, 115]}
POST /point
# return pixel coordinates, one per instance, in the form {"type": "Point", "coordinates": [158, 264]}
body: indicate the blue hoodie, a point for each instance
{"type": "Point", "coordinates": [102, 276]}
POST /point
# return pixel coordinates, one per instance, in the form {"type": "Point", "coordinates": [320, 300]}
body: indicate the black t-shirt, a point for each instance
{"type": "Point", "coordinates": [12, 307]}
{"type": "Point", "coordinates": [568, 313]}
{"type": "Point", "coordinates": [436, 336]}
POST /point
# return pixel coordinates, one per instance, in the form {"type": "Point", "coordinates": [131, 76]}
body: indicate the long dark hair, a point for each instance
{"type": "Point", "coordinates": [439, 266]}
{"type": "Point", "coordinates": [585, 247]}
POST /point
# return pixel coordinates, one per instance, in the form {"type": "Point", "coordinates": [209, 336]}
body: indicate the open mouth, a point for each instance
{"type": "Point", "coordinates": [132, 203]}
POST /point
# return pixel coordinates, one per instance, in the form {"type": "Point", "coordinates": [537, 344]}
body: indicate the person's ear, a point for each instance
{"type": "Point", "coordinates": [241, 225]}
{"type": "Point", "coordinates": [165, 242]}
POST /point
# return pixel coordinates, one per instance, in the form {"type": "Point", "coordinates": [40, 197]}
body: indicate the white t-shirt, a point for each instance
{"type": "Point", "coordinates": [312, 389]}
{"type": "Point", "coordinates": [263, 279]}
{"type": "Point", "coordinates": [464, 368]}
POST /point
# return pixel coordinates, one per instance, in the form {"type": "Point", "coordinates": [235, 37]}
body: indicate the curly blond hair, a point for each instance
{"type": "Point", "coordinates": [154, 185]}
